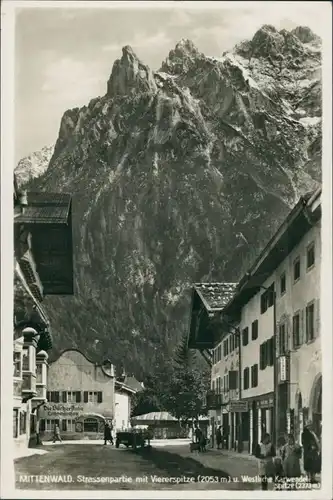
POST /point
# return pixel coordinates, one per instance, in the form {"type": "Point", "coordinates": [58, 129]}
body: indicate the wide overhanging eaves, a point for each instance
{"type": "Point", "coordinates": [290, 233]}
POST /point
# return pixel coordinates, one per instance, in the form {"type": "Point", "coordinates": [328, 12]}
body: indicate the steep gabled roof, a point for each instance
{"type": "Point", "coordinates": [215, 296]}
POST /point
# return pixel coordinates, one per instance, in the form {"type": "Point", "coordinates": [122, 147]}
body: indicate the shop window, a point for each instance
{"type": "Point", "coordinates": [254, 333]}
{"type": "Point", "coordinates": [283, 283]}
{"type": "Point", "coordinates": [310, 256]}
{"type": "Point", "coordinates": [15, 423]}
{"type": "Point", "coordinates": [254, 375]}
{"type": "Point", "coordinates": [310, 326]}
{"type": "Point", "coordinates": [297, 269]}
{"type": "Point", "coordinates": [90, 425]}
{"type": "Point", "coordinates": [18, 364]}
{"type": "Point", "coordinates": [245, 336]}
{"type": "Point", "coordinates": [296, 330]}
{"type": "Point", "coordinates": [246, 376]}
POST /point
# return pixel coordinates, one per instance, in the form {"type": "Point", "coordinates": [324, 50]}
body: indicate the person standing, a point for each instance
{"type": "Point", "coordinates": [107, 434]}
{"type": "Point", "coordinates": [265, 452]}
{"type": "Point", "coordinates": [291, 457]}
{"type": "Point", "coordinates": [38, 438]}
{"type": "Point", "coordinates": [56, 434]}
{"type": "Point", "coordinates": [198, 434]}
{"type": "Point", "coordinates": [311, 452]}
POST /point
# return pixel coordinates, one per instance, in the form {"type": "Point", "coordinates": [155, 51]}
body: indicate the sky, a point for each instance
{"type": "Point", "coordinates": [64, 55]}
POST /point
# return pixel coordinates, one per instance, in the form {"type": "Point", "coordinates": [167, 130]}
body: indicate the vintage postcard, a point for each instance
{"type": "Point", "coordinates": [166, 194]}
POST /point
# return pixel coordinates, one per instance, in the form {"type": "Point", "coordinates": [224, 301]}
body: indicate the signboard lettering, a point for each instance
{"type": "Point", "coordinates": [266, 403]}
{"type": "Point", "coordinates": [239, 406]}
{"type": "Point", "coordinates": [62, 409]}
{"type": "Point", "coordinates": [283, 373]}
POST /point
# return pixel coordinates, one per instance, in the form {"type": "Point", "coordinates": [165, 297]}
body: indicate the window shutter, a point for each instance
{"type": "Point", "coordinates": [302, 327]}
{"type": "Point", "coordinates": [85, 396]}
{"type": "Point", "coordinates": [317, 318]}
{"type": "Point", "coordinates": [78, 396]}
{"type": "Point", "coordinates": [261, 357]}
{"type": "Point", "coordinates": [265, 354]}
{"type": "Point", "coordinates": [64, 396]}
{"type": "Point", "coordinates": [57, 397]}
{"type": "Point", "coordinates": [288, 334]}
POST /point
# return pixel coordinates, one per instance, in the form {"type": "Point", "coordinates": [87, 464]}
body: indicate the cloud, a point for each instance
{"type": "Point", "coordinates": [70, 80]}
{"type": "Point", "coordinates": [151, 43]}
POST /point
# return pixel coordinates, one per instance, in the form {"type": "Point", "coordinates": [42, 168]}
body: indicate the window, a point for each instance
{"type": "Point", "coordinates": [55, 397]}
{"type": "Point", "coordinates": [25, 361]}
{"type": "Point", "coordinates": [296, 330]}
{"type": "Point", "coordinates": [267, 299]}
{"type": "Point", "coordinates": [310, 256]}
{"type": "Point", "coordinates": [214, 356]}
{"type": "Point", "coordinates": [233, 380]}
{"type": "Point", "coordinates": [226, 383]}
{"type": "Point", "coordinates": [245, 336]}
{"type": "Point", "coordinates": [219, 353]}
{"type": "Point", "coordinates": [70, 425]}
{"type": "Point", "coordinates": [310, 327]}
{"type": "Point", "coordinates": [39, 373]}
{"type": "Point", "coordinates": [218, 385]}
{"type": "Point", "coordinates": [78, 396]}
{"type": "Point", "coordinates": [297, 269]}
{"type": "Point", "coordinates": [282, 339]}
{"type": "Point", "coordinates": [283, 283]}
{"type": "Point", "coordinates": [266, 356]}
{"type": "Point", "coordinates": [246, 375]}
{"type": "Point", "coordinates": [254, 376]}
{"type": "Point", "coordinates": [225, 348]}
{"type": "Point", "coordinates": [23, 422]}
{"type": "Point", "coordinates": [64, 425]}
{"type": "Point", "coordinates": [92, 397]}
{"type": "Point", "coordinates": [236, 340]}
{"type": "Point", "coordinates": [71, 396]}
{"type": "Point", "coordinates": [17, 364]}
{"type": "Point", "coordinates": [213, 385]}
{"type": "Point", "coordinates": [254, 334]}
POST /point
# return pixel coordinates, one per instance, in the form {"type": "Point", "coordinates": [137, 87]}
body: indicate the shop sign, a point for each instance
{"type": "Point", "coordinates": [266, 403]}
{"type": "Point", "coordinates": [239, 406]}
{"type": "Point", "coordinates": [283, 369]}
{"type": "Point", "coordinates": [62, 409]}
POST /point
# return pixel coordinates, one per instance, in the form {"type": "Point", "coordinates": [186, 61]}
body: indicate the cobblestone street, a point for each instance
{"type": "Point", "coordinates": [94, 466]}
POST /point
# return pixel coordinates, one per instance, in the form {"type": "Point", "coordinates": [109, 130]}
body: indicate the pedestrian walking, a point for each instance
{"type": "Point", "coordinates": [107, 433]}
{"type": "Point", "coordinates": [291, 458]}
{"type": "Point", "coordinates": [56, 434]}
{"type": "Point", "coordinates": [311, 452]}
{"type": "Point", "coordinates": [265, 452]}
{"type": "Point", "coordinates": [218, 436]}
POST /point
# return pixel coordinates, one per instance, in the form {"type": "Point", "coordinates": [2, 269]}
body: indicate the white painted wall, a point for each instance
{"type": "Point", "coordinates": [122, 413]}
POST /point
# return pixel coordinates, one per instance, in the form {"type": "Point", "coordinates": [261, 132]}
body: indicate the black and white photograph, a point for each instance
{"type": "Point", "coordinates": [166, 194]}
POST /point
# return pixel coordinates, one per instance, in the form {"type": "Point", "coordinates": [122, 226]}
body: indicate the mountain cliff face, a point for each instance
{"type": "Point", "coordinates": [180, 175]}
{"type": "Point", "coordinates": [34, 165]}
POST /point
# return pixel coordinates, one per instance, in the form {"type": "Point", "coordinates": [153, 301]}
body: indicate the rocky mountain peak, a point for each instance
{"type": "Point", "coordinates": [130, 74]}
{"type": "Point", "coordinates": [305, 34]}
{"type": "Point", "coordinates": [33, 165]}
{"type": "Point", "coordinates": [182, 58]}
{"type": "Point", "coordinates": [164, 183]}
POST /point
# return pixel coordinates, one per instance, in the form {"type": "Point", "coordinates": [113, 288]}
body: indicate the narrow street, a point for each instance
{"type": "Point", "coordinates": [95, 466]}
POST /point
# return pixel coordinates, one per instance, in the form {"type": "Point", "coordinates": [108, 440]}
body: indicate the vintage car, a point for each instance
{"type": "Point", "coordinates": [131, 438]}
